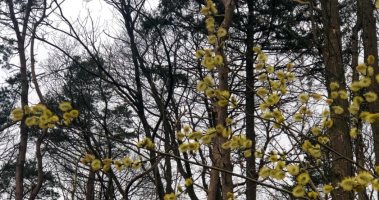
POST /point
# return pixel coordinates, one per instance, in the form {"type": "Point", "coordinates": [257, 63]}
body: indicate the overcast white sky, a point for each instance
{"type": "Point", "coordinates": [74, 9]}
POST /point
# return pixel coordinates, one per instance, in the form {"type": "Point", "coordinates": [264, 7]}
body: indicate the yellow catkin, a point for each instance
{"type": "Point", "coordinates": [327, 189]}
{"type": "Point", "coordinates": [298, 191]}
{"type": "Point", "coordinates": [303, 98]}
{"type": "Point", "coordinates": [334, 85]}
{"type": "Point", "coordinates": [289, 67]}
{"type": "Point", "coordinates": [361, 68]}
{"type": "Point", "coordinates": [370, 60]}
{"type": "Point", "coordinates": [293, 170]}
{"type": "Point", "coordinates": [375, 184]}
{"type": "Point", "coordinates": [348, 183]}
{"type": "Point", "coordinates": [370, 96]}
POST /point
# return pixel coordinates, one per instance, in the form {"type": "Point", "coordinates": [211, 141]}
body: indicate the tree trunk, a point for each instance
{"type": "Point", "coordinates": [90, 191]}
{"type": "Point", "coordinates": [339, 132]}
{"type": "Point", "coordinates": [220, 156]}
{"type": "Point", "coordinates": [20, 34]}
{"type": "Point", "coordinates": [251, 187]}
{"type": "Point", "coordinates": [358, 142]}
{"type": "Point", "coordinates": [366, 11]}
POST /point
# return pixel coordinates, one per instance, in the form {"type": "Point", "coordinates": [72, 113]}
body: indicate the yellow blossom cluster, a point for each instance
{"type": "Point", "coordinates": [223, 97]}
{"type": "Point", "coordinates": [188, 182]}
{"type": "Point", "coordinates": [369, 117]}
{"type": "Point", "coordinates": [353, 132]}
{"type": "Point", "coordinates": [195, 135]}
{"type": "Point", "coordinates": [363, 95]}
{"type": "Point", "coordinates": [274, 86]}
{"type": "Point", "coordinates": [209, 135]}
{"type": "Point", "coordinates": [146, 143]}
{"type": "Point", "coordinates": [303, 98]}
{"type": "Point", "coordinates": [233, 102]}
{"type": "Point", "coordinates": [299, 190]}
{"type": "Point", "coordinates": [270, 94]}
{"type": "Point", "coordinates": [206, 86]}
{"type": "Point", "coordinates": [41, 116]}
{"type": "Point", "coordinates": [68, 112]}
{"type": "Point", "coordinates": [326, 122]}
{"type": "Point", "coordinates": [302, 179]}
{"type": "Point", "coordinates": [239, 142]}
{"type": "Point", "coordinates": [276, 115]}
{"type": "Point", "coordinates": [17, 114]}
{"type": "Point", "coordinates": [293, 169]}
{"type": "Point", "coordinates": [297, 117]}
{"type": "Point", "coordinates": [316, 131]}
{"type": "Point", "coordinates": [283, 77]}
{"type": "Point", "coordinates": [106, 163]}
{"type": "Point", "coordinates": [208, 60]}
{"type": "Point", "coordinates": [314, 150]}
{"type": "Point", "coordinates": [191, 146]}
{"type": "Point", "coordinates": [87, 159]}
{"type": "Point", "coordinates": [172, 196]}
{"type": "Point", "coordinates": [210, 9]}
{"type": "Point", "coordinates": [266, 172]}
{"type": "Point", "coordinates": [186, 133]}
{"type": "Point", "coordinates": [360, 182]}
{"type": "Point", "coordinates": [367, 72]}
{"type": "Point", "coordinates": [279, 172]}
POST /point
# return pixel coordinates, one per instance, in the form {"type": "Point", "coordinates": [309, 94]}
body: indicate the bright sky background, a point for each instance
{"type": "Point", "coordinates": [74, 9]}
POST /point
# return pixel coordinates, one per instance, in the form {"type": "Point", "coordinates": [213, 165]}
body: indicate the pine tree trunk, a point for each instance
{"type": "Point", "coordinates": [366, 11]}
{"type": "Point", "coordinates": [358, 142]}
{"type": "Point", "coordinates": [251, 187]}
{"type": "Point", "coordinates": [339, 132]}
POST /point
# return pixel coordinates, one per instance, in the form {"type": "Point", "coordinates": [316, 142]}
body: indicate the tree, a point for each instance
{"type": "Point", "coordinates": [332, 52]}
{"type": "Point", "coordinates": [235, 120]}
{"type": "Point", "coordinates": [21, 13]}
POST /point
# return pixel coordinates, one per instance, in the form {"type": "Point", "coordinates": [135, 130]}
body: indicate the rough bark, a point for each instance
{"type": "Point", "coordinates": [220, 156]}
{"type": "Point", "coordinates": [20, 36]}
{"type": "Point", "coordinates": [251, 187]}
{"type": "Point", "coordinates": [339, 132]}
{"type": "Point", "coordinates": [358, 142]}
{"type": "Point", "coordinates": [90, 189]}
{"type": "Point", "coordinates": [366, 12]}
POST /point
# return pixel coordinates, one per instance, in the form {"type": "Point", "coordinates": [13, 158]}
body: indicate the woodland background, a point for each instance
{"type": "Point", "coordinates": [137, 79]}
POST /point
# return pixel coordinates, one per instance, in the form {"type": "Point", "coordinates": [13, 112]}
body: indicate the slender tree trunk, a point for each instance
{"type": "Point", "coordinates": [251, 187]}
{"type": "Point", "coordinates": [366, 11]}
{"type": "Point", "coordinates": [20, 34]}
{"type": "Point", "coordinates": [23, 128]}
{"type": "Point", "coordinates": [339, 137]}
{"type": "Point", "coordinates": [220, 156]}
{"type": "Point", "coordinates": [370, 41]}
{"type": "Point", "coordinates": [90, 190]}
{"type": "Point", "coordinates": [358, 142]}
